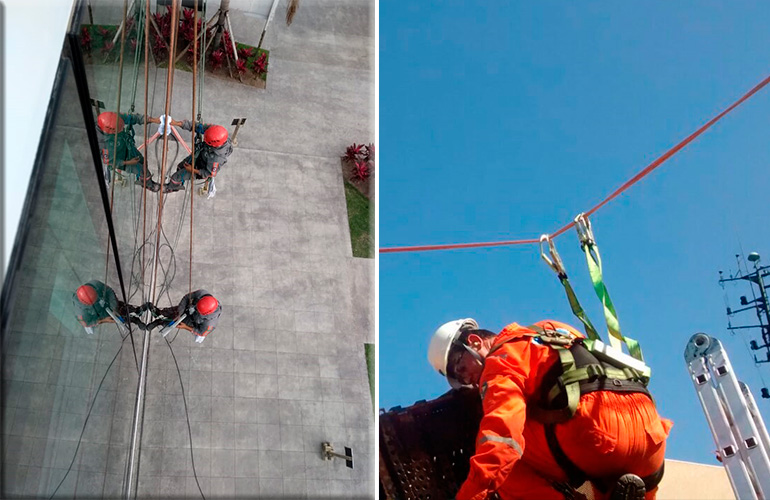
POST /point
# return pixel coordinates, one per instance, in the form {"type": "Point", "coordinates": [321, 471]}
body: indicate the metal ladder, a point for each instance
{"type": "Point", "coordinates": [739, 432]}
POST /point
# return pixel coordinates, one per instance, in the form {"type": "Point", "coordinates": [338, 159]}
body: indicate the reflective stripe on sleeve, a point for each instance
{"type": "Point", "coordinates": [499, 439]}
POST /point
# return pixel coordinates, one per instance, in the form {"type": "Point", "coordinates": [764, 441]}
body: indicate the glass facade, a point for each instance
{"type": "Point", "coordinates": [95, 408]}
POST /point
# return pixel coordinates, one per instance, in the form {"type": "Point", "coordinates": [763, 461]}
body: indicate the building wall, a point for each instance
{"type": "Point", "coordinates": [687, 480]}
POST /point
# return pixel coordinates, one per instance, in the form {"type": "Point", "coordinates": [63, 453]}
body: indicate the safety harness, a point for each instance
{"type": "Point", "coordinates": [586, 365]}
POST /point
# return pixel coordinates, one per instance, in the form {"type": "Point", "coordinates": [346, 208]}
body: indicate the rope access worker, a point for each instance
{"type": "Point", "coordinates": [210, 154]}
{"type": "Point", "coordinates": [97, 303]}
{"type": "Point", "coordinates": [554, 415]}
{"type": "Point", "coordinates": [128, 157]}
{"type": "Point", "coordinates": [197, 312]}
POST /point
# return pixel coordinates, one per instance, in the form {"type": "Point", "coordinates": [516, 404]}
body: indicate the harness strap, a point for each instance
{"type": "Point", "coordinates": [577, 477]}
{"type": "Point", "coordinates": [594, 261]}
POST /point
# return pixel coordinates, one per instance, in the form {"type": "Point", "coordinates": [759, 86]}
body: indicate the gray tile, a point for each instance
{"type": "Point", "coordinates": [90, 484]}
{"type": "Point", "coordinates": [245, 362]}
{"type": "Point", "coordinates": [245, 410]}
{"type": "Point", "coordinates": [247, 437]}
{"type": "Point", "coordinates": [222, 486]}
{"type": "Point", "coordinates": [291, 438]}
{"type": "Point", "coordinates": [222, 384]}
{"type": "Point", "coordinates": [246, 385]}
{"type": "Point", "coordinates": [222, 409]}
{"type": "Point", "coordinates": [222, 360]}
{"type": "Point", "coordinates": [266, 362]}
{"type": "Point", "coordinates": [223, 436]}
{"type": "Point", "coordinates": [268, 411]}
{"type": "Point", "coordinates": [267, 386]}
{"type": "Point", "coordinates": [247, 463]}
{"type": "Point", "coordinates": [176, 461]}
{"type": "Point", "coordinates": [171, 486]}
{"type": "Point", "coordinates": [270, 487]}
{"type": "Point", "coordinates": [270, 464]}
{"type": "Point", "coordinates": [269, 437]}
{"type": "Point", "coordinates": [246, 487]}
{"type": "Point", "coordinates": [222, 463]}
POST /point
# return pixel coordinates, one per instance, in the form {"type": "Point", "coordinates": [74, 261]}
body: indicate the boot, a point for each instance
{"type": "Point", "coordinates": [628, 487]}
{"type": "Point", "coordinates": [171, 188]}
{"type": "Point", "coordinates": [151, 184]}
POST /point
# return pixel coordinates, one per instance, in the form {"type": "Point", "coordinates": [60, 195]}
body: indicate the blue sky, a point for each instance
{"type": "Point", "coordinates": [504, 121]}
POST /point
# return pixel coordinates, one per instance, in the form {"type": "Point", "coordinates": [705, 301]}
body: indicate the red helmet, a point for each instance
{"type": "Point", "coordinates": [215, 136]}
{"type": "Point", "coordinates": [87, 295]}
{"type": "Point", "coordinates": [108, 121]}
{"type": "Point", "coordinates": [207, 305]}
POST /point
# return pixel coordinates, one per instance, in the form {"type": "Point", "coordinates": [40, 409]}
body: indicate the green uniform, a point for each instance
{"type": "Point", "coordinates": [93, 314]}
{"type": "Point", "coordinates": [124, 149]}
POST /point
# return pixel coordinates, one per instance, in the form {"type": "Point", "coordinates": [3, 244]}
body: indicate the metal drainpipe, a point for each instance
{"type": "Point", "coordinates": [132, 467]}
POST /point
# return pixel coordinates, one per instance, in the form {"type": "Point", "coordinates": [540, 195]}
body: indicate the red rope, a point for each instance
{"type": "Point", "coordinates": [458, 245]}
{"type": "Point", "coordinates": [639, 176]}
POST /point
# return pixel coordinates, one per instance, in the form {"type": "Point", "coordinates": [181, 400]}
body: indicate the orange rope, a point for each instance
{"type": "Point", "coordinates": [639, 176]}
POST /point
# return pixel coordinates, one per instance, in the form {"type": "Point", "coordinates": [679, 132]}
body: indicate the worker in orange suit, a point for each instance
{"type": "Point", "coordinates": [529, 444]}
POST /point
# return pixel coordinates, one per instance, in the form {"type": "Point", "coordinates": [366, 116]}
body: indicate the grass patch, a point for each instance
{"type": "Point", "coordinates": [359, 217]}
{"type": "Point", "coordinates": [369, 350]}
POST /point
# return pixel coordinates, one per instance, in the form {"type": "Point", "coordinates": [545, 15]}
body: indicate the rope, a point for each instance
{"type": "Point", "coordinates": [192, 152]}
{"type": "Point", "coordinates": [639, 176]}
{"type": "Point", "coordinates": [115, 136]}
{"type": "Point", "coordinates": [169, 83]}
{"type": "Point", "coordinates": [139, 37]}
{"type": "Point", "coordinates": [203, 60]}
{"type": "Point", "coordinates": [146, 152]}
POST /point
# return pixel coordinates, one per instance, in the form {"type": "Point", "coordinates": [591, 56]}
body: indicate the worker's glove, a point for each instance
{"type": "Point", "coordinates": [199, 339]}
{"type": "Point", "coordinates": [89, 330]}
{"type": "Point", "coordinates": [165, 124]}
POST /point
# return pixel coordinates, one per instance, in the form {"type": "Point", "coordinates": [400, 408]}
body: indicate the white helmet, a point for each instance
{"type": "Point", "coordinates": [441, 343]}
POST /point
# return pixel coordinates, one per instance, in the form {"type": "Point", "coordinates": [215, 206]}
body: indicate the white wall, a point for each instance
{"type": "Point", "coordinates": [33, 36]}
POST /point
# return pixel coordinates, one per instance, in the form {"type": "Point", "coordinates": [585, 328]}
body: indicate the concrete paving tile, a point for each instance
{"type": "Point", "coordinates": [269, 465]}
{"type": "Point", "coordinates": [268, 411]}
{"type": "Point", "coordinates": [245, 362]}
{"type": "Point", "coordinates": [175, 434]}
{"type": "Point", "coordinates": [116, 459]}
{"type": "Point", "coordinates": [222, 462]}
{"type": "Point", "coordinates": [303, 365]}
{"type": "Point", "coordinates": [222, 384]}
{"type": "Point", "coordinates": [148, 486]}
{"type": "Point", "coordinates": [171, 486]}
{"type": "Point", "coordinates": [151, 459]}
{"type": "Point", "coordinates": [246, 437]}
{"type": "Point", "coordinates": [291, 438]}
{"type": "Point", "coordinates": [93, 457]}
{"type": "Point", "coordinates": [246, 385]}
{"type": "Point", "coordinates": [223, 436]}
{"type": "Point", "coordinates": [247, 463]}
{"type": "Point", "coordinates": [175, 461]}
{"type": "Point", "coordinates": [266, 362]}
{"type": "Point", "coordinates": [222, 409]}
{"type": "Point", "coordinates": [245, 410]}
{"type": "Point", "coordinates": [247, 487]}
{"type": "Point", "coordinates": [200, 383]}
{"type": "Point", "coordinates": [199, 408]}
{"type": "Point", "coordinates": [318, 488]}
{"type": "Point", "coordinates": [223, 487]}
{"type": "Point", "coordinates": [271, 487]}
{"type": "Point", "coordinates": [222, 360]}
{"type": "Point", "coordinates": [267, 386]}
{"type": "Point", "coordinates": [269, 437]}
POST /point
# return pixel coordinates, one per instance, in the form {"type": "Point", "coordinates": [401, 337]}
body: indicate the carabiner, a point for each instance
{"type": "Point", "coordinates": [584, 231]}
{"type": "Point", "coordinates": [554, 262]}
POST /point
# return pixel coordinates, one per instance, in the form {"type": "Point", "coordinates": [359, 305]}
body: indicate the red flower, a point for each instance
{"type": "Point", "coordinates": [361, 171]}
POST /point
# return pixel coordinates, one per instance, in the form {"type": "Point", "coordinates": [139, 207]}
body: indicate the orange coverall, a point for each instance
{"type": "Point", "coordinates": [611, 433]}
